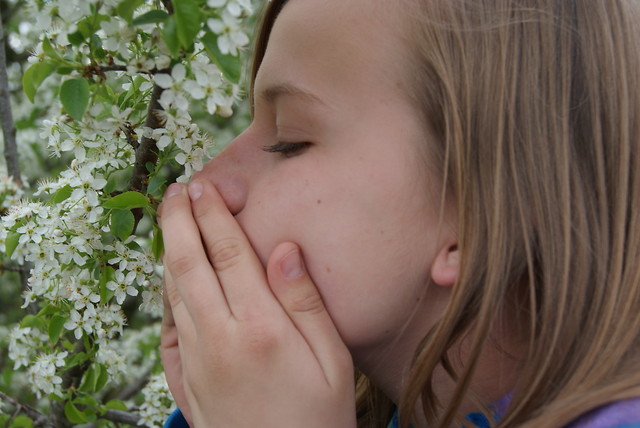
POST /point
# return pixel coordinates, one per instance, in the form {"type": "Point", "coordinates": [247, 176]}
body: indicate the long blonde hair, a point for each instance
{"type": "Point", "coordinates": [536, 104]}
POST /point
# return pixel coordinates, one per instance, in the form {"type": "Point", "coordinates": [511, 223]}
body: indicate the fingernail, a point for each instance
{"type": "Point", "coordinates": [195, 190]}
{"type": "Point", "coordinates": [291, 265]}
{"type": "Point", "coordinates": [174, 189]}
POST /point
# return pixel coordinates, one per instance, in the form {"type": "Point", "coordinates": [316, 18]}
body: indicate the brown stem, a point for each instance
{"type": "Point", "coordinates": [38, 418]}
{"type": "Point", "coordinates": [6, 116]}
{"type": "Point", "coordinates": [135, 387]}
{"type": "Point", "coordinates": [100, 69]}
{"type": "Point", "coordinates": [146, 152]}
{"type": "Point", "coordinates": [119, 416]}
{"type": "Point", "coordinates": [70, 379]}
{"type": "Point", "coordinates": [21, 269]}
{"type": "Point", "coordinates": [168, 5]}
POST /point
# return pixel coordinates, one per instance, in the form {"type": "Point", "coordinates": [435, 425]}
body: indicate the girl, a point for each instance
{"type": "Point", "coordinates": [443, 194]}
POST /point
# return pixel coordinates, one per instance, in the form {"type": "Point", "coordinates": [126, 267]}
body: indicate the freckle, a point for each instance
{"type": "Point", "coordinates": [382, 232]}
{"type": "Point", "coordinates": [328, 269]}
{"type": "Point", "coordinates": [417, 299]}
{"type": "Point", "coordinates": [319, 201]}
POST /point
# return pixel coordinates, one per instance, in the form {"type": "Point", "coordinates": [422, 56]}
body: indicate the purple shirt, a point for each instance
{"type": "Point", "coordinates": [621, 414]}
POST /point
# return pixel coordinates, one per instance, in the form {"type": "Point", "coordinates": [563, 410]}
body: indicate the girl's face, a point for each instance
{"type": "Point", "coordinates": [345, 175]}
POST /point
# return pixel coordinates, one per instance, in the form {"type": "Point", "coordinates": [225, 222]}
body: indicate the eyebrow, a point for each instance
{"type": "Point", "coordinates": [272, 93]}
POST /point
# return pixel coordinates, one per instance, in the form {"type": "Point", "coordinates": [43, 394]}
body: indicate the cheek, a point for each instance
{"type": "Point", "coordinates": [367, 259]}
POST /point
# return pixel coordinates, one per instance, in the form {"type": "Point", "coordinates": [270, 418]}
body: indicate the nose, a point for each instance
{"type": "Point", "coordinates": [230, 172]}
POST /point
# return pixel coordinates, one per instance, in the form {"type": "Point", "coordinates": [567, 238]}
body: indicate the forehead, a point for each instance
{"type": "Point", "coordinates": [345, 41]}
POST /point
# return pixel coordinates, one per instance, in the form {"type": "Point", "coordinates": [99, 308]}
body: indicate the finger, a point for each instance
{"type": "Point", "coordinates": [234, 261]}
{"type": "Point", "coordinates": [194, 281]}
{"type": "Point", "coordinates": [170, 352]}
{"type": "Point", "coordinates": [298, 295]}
{"type": "Point", "coordinates": [167, 315]}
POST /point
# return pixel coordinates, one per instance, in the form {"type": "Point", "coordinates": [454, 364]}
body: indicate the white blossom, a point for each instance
{"type": "Point", "coordinates": [231, 36]}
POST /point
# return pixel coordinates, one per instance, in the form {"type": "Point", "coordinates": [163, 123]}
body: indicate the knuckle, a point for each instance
{"type": "Point", "coordinates": [225, 253]}
{"type": "Point", "coordinates": [172, 296]}
{"type": "Point", "coordinates": [179, 263]}
{"type": "Point", "coordinates": [262, 342]}
{"type": "Point", "coordinates": [309, 303]}
{"type": "Point", "coordinates": [261, 338]}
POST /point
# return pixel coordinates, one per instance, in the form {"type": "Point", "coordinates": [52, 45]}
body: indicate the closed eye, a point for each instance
{"type": "Point", "coordinates": [287, 149]}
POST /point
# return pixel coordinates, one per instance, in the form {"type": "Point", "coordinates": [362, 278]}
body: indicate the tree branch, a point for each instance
{"type": "Point", "coordinates": [6, 116]}
{"type": "Point", "coordinates": [38, 418]}
{"type": "Point", "coordinates": [101, 69]}
{"type": "Point", "coordinates": [21, 269]}
{"type": "Point", "coordinates": [123, 417]}
{"type": "Point", "coordinates": [135, 387]}
{"type": "Point", "coordinates": [147, 151]}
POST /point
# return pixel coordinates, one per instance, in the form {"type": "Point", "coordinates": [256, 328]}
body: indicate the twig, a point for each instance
{"type": "Point", "coordinates": [147, 151]}
{"type": "Point", "coordinates": [38, 418]}
{"type": "Point", "coordinates": [8, 126]}
{"type": "Point", "coordinates": [168, 5]}
{"type": "Point", "coordinates": [131, 136]}
{"type": "Point", "coordinates": [21, 269]}
{"type": "Point", "coordinates": [9, 132]}
{"type": "Point", "coordinates": [122, 417]}
{"type": "Point", "coordinates": [101, 69]}
{"type": "Point", "coordinates": [135, 387]}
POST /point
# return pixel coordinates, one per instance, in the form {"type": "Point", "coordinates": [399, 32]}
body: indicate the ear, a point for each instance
{"type": "Point", "coordinates": [444, 270]}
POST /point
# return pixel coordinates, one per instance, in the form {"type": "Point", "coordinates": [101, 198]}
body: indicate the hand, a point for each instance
{"type": "Point", "coordinates": [242, 347]}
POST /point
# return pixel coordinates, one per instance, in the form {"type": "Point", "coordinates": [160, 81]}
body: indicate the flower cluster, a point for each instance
{"type": "Point", "coordinates": [42, 373]}
{"type": "Point", "coordinates": [156, 407]}
{"type": "Point", "coordinates": [129, 78]}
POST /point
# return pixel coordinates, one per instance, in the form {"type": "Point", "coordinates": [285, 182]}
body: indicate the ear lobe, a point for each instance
{"type": "Point", "coordinates": [444, 270]}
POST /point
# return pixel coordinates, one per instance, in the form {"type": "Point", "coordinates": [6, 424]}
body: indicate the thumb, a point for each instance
{"type": "Point", "coordinates": [299, 297]}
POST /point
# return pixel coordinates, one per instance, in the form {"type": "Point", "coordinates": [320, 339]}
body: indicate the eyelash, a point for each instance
{"type": "Point", "coordinates": [287, 149]}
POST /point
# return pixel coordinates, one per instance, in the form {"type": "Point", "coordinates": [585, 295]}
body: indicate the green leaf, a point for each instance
{"type": "Point", "coordinates": [61, 194]}
{"type": "Point", "coordinates": [34, 76]}
{"type": "Point", "coordinates": [50, 309]}
{"type": "Point", "coordinates": [73, 414]}
{"type": "Point", "coordinates": [126, 8]}
{"type": "Point", "coordinates": [74, 95]}
{"type": "Point", "coordinates": [22, 421]}
{"type": "Point", "coordinates": [48, 49]}
{"type": "Point", "coordinates": [188, 21]}
{"type": "Point", "coordinates": [33, 322]}
{"type": "Point", "coordinates": [65, 70]}
{"type": "Point", "coordinates": [96, 47]}
{"type": "Point", "coordinates": [151, 17]}
{"type": "Point", "coordinates": [11, 243]}
{"type": "Point", "coordinates": [76, 38]}
{"type": "Point", "coordinates": [76, 359]}
{"type": "Point", "coordinates": [230, 65]}
{"type": "Point", "coordinates": [107, 275]}
{"type": "Point", "coordinates": [127, 201]}
{"type": "Point", "coordinates": [84, 27]}
{"type": "Point", "coordinates": [170, 34]}
{"type": "Point", "coordinates": [102, 376]}
{"type": "Point", "coordinates": [157, 245]}
{"type": "Point", "coordinates": [116, 405]}
{"type": "Point", "coordinates": [56, 327]}
{"type": "Point", "coordinates": [111, 186]}
{"type": "Point", "coordinates": [122, 223]}
{"type": "Point", "coordinates": [156, 184]}
{"type": "Point", "coordinates": [86, 400]}
{"type": "Point", "coordinates": [89, 380]}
